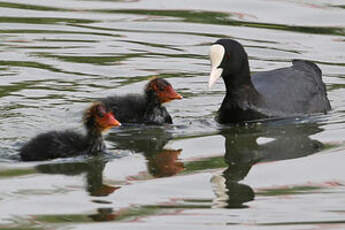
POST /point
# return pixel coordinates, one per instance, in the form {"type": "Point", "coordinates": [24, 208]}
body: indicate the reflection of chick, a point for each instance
{"type": "Point", "coordinates": [104, 214]}
{"type": "Point", "coordinates": [165, 163]}
{"type": "Point", "coordinates": [93, 170]}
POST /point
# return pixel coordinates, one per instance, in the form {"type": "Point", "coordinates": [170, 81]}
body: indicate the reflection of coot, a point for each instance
{"type": "Point", "coordinates": [243, 151]}
{"type": "Point", "coordinates": [150, 141]}
{"type": "Point", "coordinates": [94, 174]}
{"type": "Point", "coordinates": [238, 194]}
{"type": "Point", "coordinates": [284, 142]}
{"type": "Point", "coordinates": [231, 194]}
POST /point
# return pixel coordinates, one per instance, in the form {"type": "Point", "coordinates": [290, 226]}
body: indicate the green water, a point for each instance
{"type": "Point", "coordinates": [58, 56]}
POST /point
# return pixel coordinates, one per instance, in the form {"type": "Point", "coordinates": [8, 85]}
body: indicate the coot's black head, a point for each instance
{"type": "Point", "coordinates": [162, 90]}
{"type": "Point", "coordinates": [228, 60]}
{"type": "Point", "coordinates": [98, 118]}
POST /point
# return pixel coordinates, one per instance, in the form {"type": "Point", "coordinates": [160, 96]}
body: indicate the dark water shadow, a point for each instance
{"type": "Point", "coordinates": [244, 148]}
{"type": "Point", "coordinates": [93, 170]}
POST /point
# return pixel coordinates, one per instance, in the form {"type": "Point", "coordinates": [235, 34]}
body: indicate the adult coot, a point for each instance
{"type": "Point", "coordinates": [291, 91]}
{"type": "Point", "coordinates": [56, 144]}
{"type": "Point", "coordinates": [144, 108]}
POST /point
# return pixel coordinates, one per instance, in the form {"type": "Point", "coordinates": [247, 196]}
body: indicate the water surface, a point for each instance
{"type": "Point", "coordinates": [57, 57]}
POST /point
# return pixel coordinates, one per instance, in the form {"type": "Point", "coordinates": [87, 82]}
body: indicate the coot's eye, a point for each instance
{"type": "Point", "coordinates": [227, 56]}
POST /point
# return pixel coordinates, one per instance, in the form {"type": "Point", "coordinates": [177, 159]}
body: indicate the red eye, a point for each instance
{"type": "Point", "coordinates": [227, 55]}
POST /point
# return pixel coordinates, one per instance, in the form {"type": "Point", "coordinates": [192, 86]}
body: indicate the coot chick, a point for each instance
{"type": "Point", "coordinates": [57, 144]}
{"type": "Point", "coordinates": [147, 108]}
{"type": "Point", "coordinates": [292, 91]}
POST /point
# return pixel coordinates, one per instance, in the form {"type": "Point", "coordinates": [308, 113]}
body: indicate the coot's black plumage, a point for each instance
{"type": "Point", "coordinates": [57, 144]}
{"type": "Point", "coordinates": [291, 91]}
{"type": "Point", "coordinates": [147, 108]}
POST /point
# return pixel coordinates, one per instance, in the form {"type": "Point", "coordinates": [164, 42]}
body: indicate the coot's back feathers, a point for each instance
{"type": "Point", "coordinates": [291, 91]}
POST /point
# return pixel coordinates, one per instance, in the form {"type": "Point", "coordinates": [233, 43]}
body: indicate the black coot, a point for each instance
{"type": "Point", "coordinates": [56, 144]}
{"type": "Point", "coordinates": [146, 108]}
{"type": "Point", "coordinates": [285, 92]}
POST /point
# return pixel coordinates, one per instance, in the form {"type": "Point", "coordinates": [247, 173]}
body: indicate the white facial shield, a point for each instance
{"type": "Point", "coordinates": [216, 56]}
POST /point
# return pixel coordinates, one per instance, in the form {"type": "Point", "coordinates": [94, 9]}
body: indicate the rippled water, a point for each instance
{"type": "Point", "coordinates": [58, 56]}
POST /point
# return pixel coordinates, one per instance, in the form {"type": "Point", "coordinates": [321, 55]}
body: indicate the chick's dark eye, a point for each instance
{"type": "Point", "coordinates": [100, 111]}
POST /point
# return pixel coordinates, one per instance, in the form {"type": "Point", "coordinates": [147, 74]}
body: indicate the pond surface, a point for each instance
{"type": "Point", "coordinates": [58, 56]}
